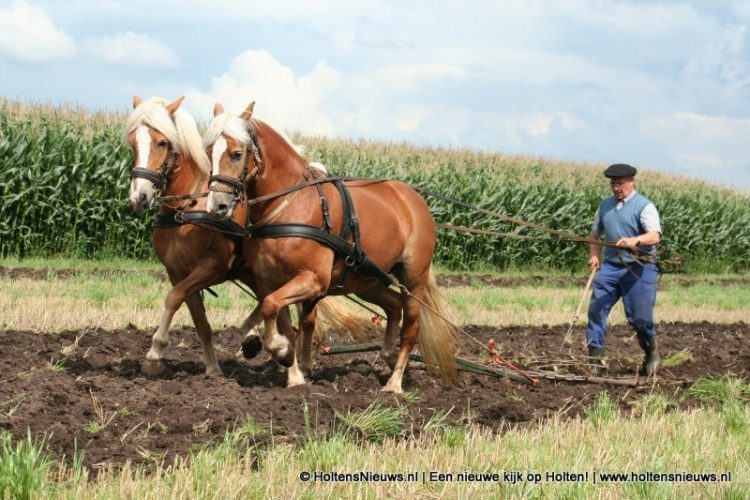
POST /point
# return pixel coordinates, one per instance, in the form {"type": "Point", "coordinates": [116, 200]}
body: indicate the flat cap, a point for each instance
{"type": "Point", "coordinates": [620, 170]}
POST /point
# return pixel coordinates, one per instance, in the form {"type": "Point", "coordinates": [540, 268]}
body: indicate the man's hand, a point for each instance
{"type": "Point", "coordinates": [594, 263]}
{"type": "Point", "coordinates": [627, 242]}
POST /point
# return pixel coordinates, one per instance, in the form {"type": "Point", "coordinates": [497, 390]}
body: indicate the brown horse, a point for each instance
{"type": "Point", "coordinates": [170, 160]}
{"type": "Point", "coordinates": [394, 228]}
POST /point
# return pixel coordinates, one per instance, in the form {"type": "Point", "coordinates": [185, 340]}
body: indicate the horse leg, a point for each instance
{"type": "Point", "coordinates": [160, 340]}
{"type": "Point", "coordinates": [308, 316]}
{"type": "Point", "coordinates": [251, 344]}
{"type": "Point", "coordinates": [391, 303]}
{"type": "Point", "coordinates": [201, 277]}
{"type": "Point", "coordinates": [409, 334]}
{"type": "Point", "coordinates": [294, 375]}
{"type": "Point", "coordinates": [303, 287]}
{"type": "Point", "coordinates": [198, 313]}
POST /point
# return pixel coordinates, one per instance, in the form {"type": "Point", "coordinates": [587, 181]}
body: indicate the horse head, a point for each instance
{"type": "Point", "coordinates": [162, 136]}
{"type": "Point", "coordinates": [235, 159]}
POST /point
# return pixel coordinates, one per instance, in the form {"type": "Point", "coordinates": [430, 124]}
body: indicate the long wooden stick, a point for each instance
{"type": "Point", "coordinates": [578, 309]}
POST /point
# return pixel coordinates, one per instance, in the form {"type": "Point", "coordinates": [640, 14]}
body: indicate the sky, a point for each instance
{"type": "Point", "coordinates": [660, 85]}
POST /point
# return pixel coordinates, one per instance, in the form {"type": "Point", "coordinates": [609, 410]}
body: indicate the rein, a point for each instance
{"type": "Point", "coordinates": [638, 254]}
{"type": "Point", "coordinates": [238, 189]}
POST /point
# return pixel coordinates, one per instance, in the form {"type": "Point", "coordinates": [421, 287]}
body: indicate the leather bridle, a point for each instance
{"type": "Point", "coordinates": [158, 178]}
{"type": "Point", "coordinates": [235, 186]}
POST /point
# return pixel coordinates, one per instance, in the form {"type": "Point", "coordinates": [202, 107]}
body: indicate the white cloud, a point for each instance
{"type": "Point", "coordinates": [133, 49]}
{"type": "Point", "coordinates": [376, 104]}
{"type": "Point", "coordinates": [28, 35]}
{"type": "Point", "coordinates": [537, 123]}
{"type": "Point", "coordinates": [283, 99]}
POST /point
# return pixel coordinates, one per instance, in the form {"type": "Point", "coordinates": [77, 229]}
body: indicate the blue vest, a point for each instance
{"type": "Point", "coordinates": [624, 223]}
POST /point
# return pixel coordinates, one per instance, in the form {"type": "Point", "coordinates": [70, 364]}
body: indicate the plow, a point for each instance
{"type": "Point", "coordinates": [498, 369]}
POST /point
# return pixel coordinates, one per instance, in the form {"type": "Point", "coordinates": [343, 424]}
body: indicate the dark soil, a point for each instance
{"type": "Point", "coordinates": [58, 389]}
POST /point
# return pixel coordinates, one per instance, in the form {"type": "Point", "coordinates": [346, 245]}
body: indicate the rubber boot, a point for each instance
{"type": "Point", "coordinates": [652, 360]}
{"type": "Point", "coordinates": [596, 355]}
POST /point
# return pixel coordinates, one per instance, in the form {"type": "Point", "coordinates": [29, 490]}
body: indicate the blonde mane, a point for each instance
{"type": "Point", "coordinates": [180, 129]}
{"type": "Point", "coordinates": [230, 125]}
{"type": "Point", "coordinates": [233, 126]}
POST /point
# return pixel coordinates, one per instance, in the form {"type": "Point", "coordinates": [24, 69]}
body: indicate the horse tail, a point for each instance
{"type": "Point", "coordinates": [341, 319]}
{"type": "Point", "coordinates": [438, 339]}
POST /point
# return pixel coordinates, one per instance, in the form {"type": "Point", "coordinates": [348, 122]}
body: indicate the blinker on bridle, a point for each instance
{"type": "Point", "coordinates": [158, 179]}
{"type": "Point", "coordinates": [220, 183]}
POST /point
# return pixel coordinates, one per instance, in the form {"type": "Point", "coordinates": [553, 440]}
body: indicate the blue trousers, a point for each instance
{"type": "Point", "coordinates": [636, 284]}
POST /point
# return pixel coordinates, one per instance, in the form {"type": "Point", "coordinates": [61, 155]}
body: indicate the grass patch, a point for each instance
{"type": "Point", "coordinates": [676, 358]}
{"type": "Point", "coordinates": [726, 390]}
{"type": "Point", "coordinates": [413, 397]}
{"type": "Point", "coordinates": [375, 423]}
{"type": "Point", "coordinates": [651, 404]}
{"type": "Point", "coordinates": [602, 410]}
{"type": "Point", "coordinates": [23, 467]}
{"type": "Point", "coordinates": [59, 365]}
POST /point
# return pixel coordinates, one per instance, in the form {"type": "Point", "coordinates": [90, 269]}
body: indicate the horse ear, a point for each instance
{"type": "Point", "coordinates": [136, 101]}
{"type": "Point", "coordinates": [174, 106]}
{"type": "Point", "coordinates": [218, 109]}
{"type": "Point", "coordinates": [248, 111]}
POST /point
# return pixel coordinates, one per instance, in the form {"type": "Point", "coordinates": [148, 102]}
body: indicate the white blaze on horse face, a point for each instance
{"type": "Point", "coordinates": [143, 141]}
{"type": "Point", "coordinates": [138, 185]}
{"type": "Point", "coordinates": [219, 147]}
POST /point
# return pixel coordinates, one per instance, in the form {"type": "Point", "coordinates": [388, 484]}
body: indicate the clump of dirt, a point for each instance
{"type": "Point", "coordinates": [92, 390]}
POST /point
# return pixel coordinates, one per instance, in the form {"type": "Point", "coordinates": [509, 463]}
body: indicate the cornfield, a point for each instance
{"type": "Point", "coordinates": [65, 176]}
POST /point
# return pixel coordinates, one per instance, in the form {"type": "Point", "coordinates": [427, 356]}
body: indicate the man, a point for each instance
{"type": "Point", "coordinates": [632, 221]}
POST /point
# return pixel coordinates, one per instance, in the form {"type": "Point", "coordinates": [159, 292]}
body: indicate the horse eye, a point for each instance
{"type": "Point", "coordinates": [161, 144]}
{"type": "Point", "coordinates": [236, 155]}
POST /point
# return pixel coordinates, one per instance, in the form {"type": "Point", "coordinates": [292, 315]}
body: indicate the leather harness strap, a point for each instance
{"type": "Point", "coordinates": [365, 268]}
{"type": "Point", "coordinates": [165, 221]}
{"type": "Point", "coordinates": [354, 255]}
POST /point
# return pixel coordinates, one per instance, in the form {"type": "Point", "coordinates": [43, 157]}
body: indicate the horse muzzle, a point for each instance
{"type": "Point", "coordinates": [141, 195]}
{"type": "Point", "coordinates": [220, 205]}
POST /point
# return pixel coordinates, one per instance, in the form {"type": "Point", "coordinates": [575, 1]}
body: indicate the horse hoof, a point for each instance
{"type": "Point", "coordinates": [251, 347]}
{"type": "Point", "coordinates": [389, 358]}
{"type": "Point", "coordinates": [287, 360]}
{"type": "Point", "coordinates": [394, 390]}
{"type": "Point", "coordinates": [152, 355]}
{"type": "Point", "coordinates": [296, 382]}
